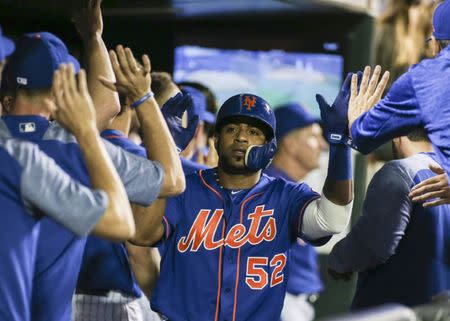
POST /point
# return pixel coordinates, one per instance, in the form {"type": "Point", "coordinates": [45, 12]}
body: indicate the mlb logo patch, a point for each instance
{"type": "Point", "coordinates": [27, 127]}
{"type": "Point", "coordinates": [22, 81]}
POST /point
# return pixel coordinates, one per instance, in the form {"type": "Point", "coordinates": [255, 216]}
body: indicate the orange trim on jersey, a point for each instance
{"type": "Point", "coordinates": [219, 276]}
{"type": "Point", "coordinates": [200, 173]}
{"type": "Point", "coordinates": [168, 230]}
{"type": "Point", "coordinates": [113, 136]}
{"type": "Point", "coordinates": [239, 255]}
{"type": "Point", "coordinates": [301, 214]}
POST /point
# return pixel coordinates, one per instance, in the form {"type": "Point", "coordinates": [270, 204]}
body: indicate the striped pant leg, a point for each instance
{"type": "Point", "coordinates": [113, 307]}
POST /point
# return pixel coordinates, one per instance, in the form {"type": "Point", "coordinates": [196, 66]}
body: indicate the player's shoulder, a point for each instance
{"type": "Point", "coordinates": [19, 149]}
{"type": "Point", "coordinates": [27, 154]}
{"type": "Point", "coordinates": [406, 168]}
{"type": "Point", "coordinates": [58, 133]}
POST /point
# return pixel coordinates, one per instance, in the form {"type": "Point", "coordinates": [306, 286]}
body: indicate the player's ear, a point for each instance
{"type": "Point", "coordinates": [7, 103]}
{"type": "Point", "coordinates": [216, 140]}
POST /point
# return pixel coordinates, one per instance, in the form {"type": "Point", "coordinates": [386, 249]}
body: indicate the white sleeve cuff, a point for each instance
{"type": "Point", "coordinates": [324, 218]}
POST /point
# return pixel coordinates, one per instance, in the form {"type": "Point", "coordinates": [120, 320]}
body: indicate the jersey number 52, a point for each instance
{"type": "Point", "coordinates": [257, 277]}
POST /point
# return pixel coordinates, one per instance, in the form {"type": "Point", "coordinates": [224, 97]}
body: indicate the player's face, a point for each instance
{"type": "Point", "coordinates": [233, 141]}
{"type": "Point", "coordinates": [306, 146]}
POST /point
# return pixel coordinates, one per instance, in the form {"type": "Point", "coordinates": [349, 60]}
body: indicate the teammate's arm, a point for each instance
{"type": "Point", "coordinates": [76, 112]}
{"type": "Point", "coordinates": [145, 264]}
{"type": "Point", "coordinates": [135, 82]}
{"type": "Point", "coordinates": [393, 116]}
{"type": "Point", "coordinates": [89, 24]}
{"type": "Point", "coordinates": [377, 233]}
{"type": "Point", "coordinates": [149, 221]}
{"type": "Point", "coordinates": [433, 191]}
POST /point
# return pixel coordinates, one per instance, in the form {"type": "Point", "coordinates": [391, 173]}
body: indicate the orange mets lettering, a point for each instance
{"type": "Point", "coordinates": [200, 233]}
{"type": "Point", "coordinates": [204, 229]}
{"type": "Point", "coordinates": [249, 102]}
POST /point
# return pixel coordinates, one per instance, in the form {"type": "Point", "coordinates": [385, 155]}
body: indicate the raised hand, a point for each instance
{"type": "Point", "coordinates": [88, 20]}
{"type": "Point", "coordinates": [366, 94]}
{"type": "Point", "coordinates": [132, 79]}
{"type": "Point", "coordinates": [433, 191]}
{"type": "Point", "coordinates": [335, 116]}
{"type": "Point", "coordinates": [173, 111]}
{"type": "Point", "coordinates": [73, 107]}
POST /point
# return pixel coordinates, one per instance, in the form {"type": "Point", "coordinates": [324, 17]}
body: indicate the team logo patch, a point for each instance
{"type": "Point", "coordinates": [249, 102]}
{"type": "Point", "coordinates": [27, 127]}
{"type": "Point", "coordinates": [205, 231]}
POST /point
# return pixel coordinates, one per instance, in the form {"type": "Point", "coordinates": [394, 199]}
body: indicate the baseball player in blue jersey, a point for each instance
{"type": "Point", "coordinates": [419, 97]}
{"type": "Point", "coordinates": [23, 168]}
{"type": "Point", "coordinates": [59, 251]}
{"type": "Point", "coordinates": [228, 235]}
{"type": "Point", "coordinates": [106, 284]}
{"type": "Point", "coordinates": [396, 242]}
{"type": "Point", "coordinates": [300, 144]}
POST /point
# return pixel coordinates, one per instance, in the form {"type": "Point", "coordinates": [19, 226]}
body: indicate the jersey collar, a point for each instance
{"type": "Point", "coordinates": [28, 127]}
{"type": "Point", "coordinates": [209, 179]}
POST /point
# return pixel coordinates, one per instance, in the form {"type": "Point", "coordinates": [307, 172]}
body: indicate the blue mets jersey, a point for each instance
{"type": "Point", "coordinates": [395, 243]}
{"type": "Point", "coordinates": [226, 251]}
{"type": "Point", "coordinates": [304, 274]}
{"type": "Point", "coordinates": [59, 251]}
{"type": "Point", "coordinates": [31, 184]}
{"type": "Point", "coordinates": [421, 96]}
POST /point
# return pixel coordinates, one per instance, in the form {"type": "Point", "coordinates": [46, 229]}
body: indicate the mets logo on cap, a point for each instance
{"type": "Point", "coordinates": [248, 102]}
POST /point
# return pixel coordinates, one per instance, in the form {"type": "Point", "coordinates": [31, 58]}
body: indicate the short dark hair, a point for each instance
{"type": "Point", "coordinates": [444, 43]}
{"type": "Point", "coordinates": [418, 135]}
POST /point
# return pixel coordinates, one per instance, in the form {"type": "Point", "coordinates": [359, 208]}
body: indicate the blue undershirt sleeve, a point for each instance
{"type": "Point", "coordinates": [394, 116]}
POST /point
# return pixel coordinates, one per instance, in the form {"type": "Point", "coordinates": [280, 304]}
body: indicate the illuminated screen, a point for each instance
{"type": "Point", "coordinates": [277, 76]}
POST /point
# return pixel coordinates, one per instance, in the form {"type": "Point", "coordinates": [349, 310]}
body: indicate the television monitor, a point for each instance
{"type": "Point", "coordinates": [277, 76]}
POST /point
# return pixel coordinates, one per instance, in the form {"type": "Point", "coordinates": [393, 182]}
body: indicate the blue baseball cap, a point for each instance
{"type": "Point", "coordinates": [441, 21]}
{"type": "Point", "coordinates": [6, 46]}
{"type": "Point", "coordinates": [36, 58]}
{"type": "Point", "coordinates": [199, 105]}
{"type": "Point", "coordinates": [290, 117]}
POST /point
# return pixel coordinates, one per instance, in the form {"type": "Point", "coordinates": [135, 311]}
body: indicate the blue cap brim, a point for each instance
{"type": "Point", "coordinates": [208, 117]}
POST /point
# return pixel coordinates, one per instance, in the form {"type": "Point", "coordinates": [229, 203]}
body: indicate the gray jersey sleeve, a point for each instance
{"type": "Point", "coordinates": [141, 177]}
{"type": "Point", "coordinates": [46, 187]}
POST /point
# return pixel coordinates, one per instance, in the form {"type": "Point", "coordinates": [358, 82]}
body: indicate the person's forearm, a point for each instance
{"type": "Point", "coordinates": [144, 262]}
{"type": "Point", "coordinates": [350, 255]}
{"type": "Point", "coordinates": [161, 147]}
{"type": "Point", "coordinates": [338, 187]}
{"type": "Point", "coordinates": [106, 102]}
{"type": "Point", "coordinates": [149, 227]}
{"type": "Point", "coordinates": [104, 176]}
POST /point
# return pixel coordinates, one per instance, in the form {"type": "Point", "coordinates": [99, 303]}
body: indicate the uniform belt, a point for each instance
{"type": "Point", "coordinates": [92, 292]}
